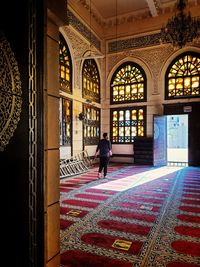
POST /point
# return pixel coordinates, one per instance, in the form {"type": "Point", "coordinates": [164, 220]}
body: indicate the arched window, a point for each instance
{"type": "Point", "coordinates": [182, 77]}
{"type": "Point", "coordinates": [65, 69]}
{"type": "Point", "coordinates": [127, 123]}
{"type": "Point", "coordinates": [128, 84]}
{"type": "Point", "coordinates": [91, 81]}
{"type": "Point", "coordinates": [65, 122]}
{"type": "Point", "coordinates": [91, 125]}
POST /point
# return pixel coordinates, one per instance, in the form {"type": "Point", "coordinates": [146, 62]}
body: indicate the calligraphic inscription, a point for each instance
{"type": "Point", "coordinates": [10, 93]}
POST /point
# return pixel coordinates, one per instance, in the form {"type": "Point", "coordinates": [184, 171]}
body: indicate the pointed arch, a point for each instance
{"type": "Point", "coordinates": [90, 80]}
{"type": "Point", "coordinates": [65, 66]}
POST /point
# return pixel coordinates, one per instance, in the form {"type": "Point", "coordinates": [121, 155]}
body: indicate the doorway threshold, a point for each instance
{"type": "Point", "coordinates": [175, 163]}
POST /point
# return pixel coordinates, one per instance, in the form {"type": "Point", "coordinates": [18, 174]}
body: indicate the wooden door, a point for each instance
{"type": "Point", "coordinates": [160, 140]}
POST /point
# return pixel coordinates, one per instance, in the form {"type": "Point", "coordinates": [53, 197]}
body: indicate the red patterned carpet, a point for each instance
{"type": "Point", "coordinates": [138, 216]}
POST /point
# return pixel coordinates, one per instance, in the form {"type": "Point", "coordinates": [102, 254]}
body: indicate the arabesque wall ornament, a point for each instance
{"type": "Point", "coordinates": [10, 93]}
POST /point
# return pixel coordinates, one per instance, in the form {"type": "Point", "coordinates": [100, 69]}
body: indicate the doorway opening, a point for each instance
{"type": "Point", "coordinates": [177, 140]}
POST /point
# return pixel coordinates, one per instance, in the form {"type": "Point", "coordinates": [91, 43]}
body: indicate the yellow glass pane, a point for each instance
{"type": "Point", "coordinates": [187, 82]}
{"type": "Point", "coordinates": [195, 82]}
{"type": "Point", "coordinates": [63, 49]}
{"type": "Point", "coordinates": [134, 88]}
{"type": "Point", "coordinates": [128, 89]}
{"type": "Point", "coordinates": [140, 88]}
{"type": "Point", "coordinates": [179, 86]}
{"type": "Point", "coordinates": [121, 90]}
{"type": "Point", "coordinates": [88, 131]}
{"type": "Point", "coordinates": [182, 70]}
{"type": "Point", "coordinates": [171, 84]}
{"type": "Point", "coordinates": [68, 131]}
{"type": "Point", "coordinates": [88, 85]}
{"type": "Point", "coordinates": [67, 77]}
{"type": "Point", "coordinates": [121, 131]}
{"type": "Point", "coordinates": [133, 131]}
{"type": "Point", "coordinates": [127, 115]}
{"type": "Point", "coordinates": [140, 114]}
{"type": "Point", "coordinates": [181, 61]}
{"type": "Point", "coordinates": [179, 83]}
{"type": "Point", "coordinates": [134, 114]}
{"type": "Point", "coordinates": [141, 131]}
{"type": "Point", "coordinates": [115, 90]}
{"type": "Point", "coordinates": [127, 131]}
{"type": "Point", "coordinates": [121, 115]}
{"type": "Point", "coordinates": [115, 116]}
{"type": "Point", "coordinates": [115, 131]}
{"type": "Point", "coordinates": [171, 87]}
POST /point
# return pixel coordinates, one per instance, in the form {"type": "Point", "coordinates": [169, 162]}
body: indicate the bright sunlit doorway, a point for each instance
{"type": "Point", "coordinates": [177, 140]}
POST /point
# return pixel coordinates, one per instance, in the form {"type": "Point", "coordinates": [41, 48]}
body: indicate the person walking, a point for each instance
{"type": "Point", "coordinates": [104, 149]}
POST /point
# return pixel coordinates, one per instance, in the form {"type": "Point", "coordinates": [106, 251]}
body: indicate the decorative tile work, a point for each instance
{"type": "Point", "coordinates": [83, 30]}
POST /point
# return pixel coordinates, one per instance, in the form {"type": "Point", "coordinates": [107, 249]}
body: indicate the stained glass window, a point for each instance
{"type": "Point", "coordinates": [183, 77]}
{"type": "Point", "coordinates": [128, 84]}
{"type": "Point", "coordinates": [91, 81]}
{"type": "Point", "coordinates": [65, 121]}
{"type": "Point", "coordinates": [65, 66]}
{"type": "Point", "coordinates": [126, 123]}
{"type": "Point", "coordinates": [91, 125]}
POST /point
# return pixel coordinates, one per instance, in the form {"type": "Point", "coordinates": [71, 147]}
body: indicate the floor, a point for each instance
{"type": "Point", "coordinates": [138, 216]}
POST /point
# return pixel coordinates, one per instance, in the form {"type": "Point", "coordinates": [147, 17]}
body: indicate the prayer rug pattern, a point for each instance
{"type": "Point", "coordinates": [140, 216]}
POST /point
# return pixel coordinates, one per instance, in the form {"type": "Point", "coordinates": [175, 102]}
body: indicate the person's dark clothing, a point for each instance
{"type": "Point", "coordinates": [103, 165]}
{"type": "Point", "coordinates": [104, 148]}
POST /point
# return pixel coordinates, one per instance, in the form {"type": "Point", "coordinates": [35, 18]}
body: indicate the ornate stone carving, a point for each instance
{"type": "Point", "coordinates": [10, 93]}
{"type": "Point", "coordinates": [136, 42]}
{"type": "Point", "coordinates": [153, 57]}
{"type": "Point", "coordinates": [83, 30]}
{"type": "Point", "coordinates": [79, 47]}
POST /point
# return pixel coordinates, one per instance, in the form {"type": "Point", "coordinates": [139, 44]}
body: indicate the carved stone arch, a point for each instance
{"type": "Point", "coordinates": [68, 41]}
{"type": "Point", "coordinates": [77, 46]}
{"type": "Point", "coordinates": [101, 74]}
